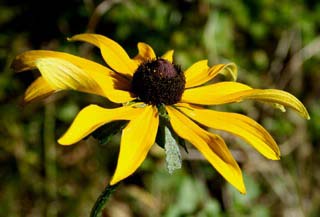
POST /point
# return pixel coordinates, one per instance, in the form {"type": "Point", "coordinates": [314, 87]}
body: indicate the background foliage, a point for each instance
{"type": "Point", "coordinates": [276, 44]}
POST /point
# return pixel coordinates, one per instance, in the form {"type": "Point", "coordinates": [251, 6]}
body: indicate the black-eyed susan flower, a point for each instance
{"type": "Point", "coordinates": [148, 86]}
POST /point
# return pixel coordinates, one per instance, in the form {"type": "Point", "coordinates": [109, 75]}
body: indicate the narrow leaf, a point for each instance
{"type": "Point", "coordinates": [173, 156]}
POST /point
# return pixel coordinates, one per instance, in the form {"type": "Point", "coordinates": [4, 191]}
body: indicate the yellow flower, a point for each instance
{"type": "Point", "coordinates": [149, 82]}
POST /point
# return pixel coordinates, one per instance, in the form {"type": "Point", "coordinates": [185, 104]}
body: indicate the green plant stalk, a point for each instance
{"type": "Point", "coordinates": [50, 161]}
{"type": "Point", "coordinates": [102, 200]}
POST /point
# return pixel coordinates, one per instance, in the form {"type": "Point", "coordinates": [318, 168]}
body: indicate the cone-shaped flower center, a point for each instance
{"type": "Point", "coordinates": [158, 81]}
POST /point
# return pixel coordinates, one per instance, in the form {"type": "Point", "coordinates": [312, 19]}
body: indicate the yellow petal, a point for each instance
{"type": "Point", "coordinates": [230, 71]}
{"type": "Point", "coordinates": [114, 55]}
{"type": "Point", "coordinates": [168, 56]}
{"type": "Point", "coordinates": [115, 88]}
{"type": "Point", "coordinates": [229, 92]}
{"type": "Point", "coordinates": [278, 97]}
{"type": "Point", "coordinates": [39, 88]}
{"type": "Point", "coordinates": [137, 139]}
{"type": "Point", "coordinates": [210, 145]}
{"type": "Point", "coordinates": [214, 94]}
{"type": "Point", "coordinates": [145, 53]}
{"type": "Point", "coordinates": [61, 74]}
{"type": "Point", "coordinates": [112, 85]}
{"type": "Point", "coordinates": [27, 61]}
{"type": "Point", "coordinates": [92, 117]}
{"type": "Point", "coordinates": [237, 124]}
{"type": "Point", "coordinates": [195, 73]}
{"type": "Point", "coordinates": [199, 73]}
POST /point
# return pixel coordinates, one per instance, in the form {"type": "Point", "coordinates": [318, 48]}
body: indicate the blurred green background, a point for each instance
{"type": "Point", "coordinates": [276, 44]}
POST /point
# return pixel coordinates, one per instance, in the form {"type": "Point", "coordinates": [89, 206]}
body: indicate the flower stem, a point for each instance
{"type": "Point", "coordinates": [102, 199]}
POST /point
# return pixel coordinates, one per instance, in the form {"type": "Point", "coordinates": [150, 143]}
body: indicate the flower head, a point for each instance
{"type": "Point", "coordinates": [149, 83]}
{"type": "Point", "coordinates": [158, 82]}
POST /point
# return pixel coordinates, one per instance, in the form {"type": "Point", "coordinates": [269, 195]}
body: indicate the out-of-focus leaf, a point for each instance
{"type": "Point", "coordinates": [218, 35]}
{"type": "Point", "coordinates": [68, 111]}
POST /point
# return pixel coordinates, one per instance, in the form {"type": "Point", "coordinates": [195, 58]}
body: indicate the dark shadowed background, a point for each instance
{"type": "Point", "coordinates": [276, 44]}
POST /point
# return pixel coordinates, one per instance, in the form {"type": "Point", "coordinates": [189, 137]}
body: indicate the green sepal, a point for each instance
{"type": "Point", "coordinates": [105, 133]}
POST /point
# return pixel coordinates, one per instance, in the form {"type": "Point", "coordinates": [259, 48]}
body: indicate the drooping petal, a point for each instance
{"type": "Point", "coordinates": [111, 85]}
{"type": "Point", "coordinates": [237, 124]}
{"type": "Point", "coordinates": [199, 72]}
{"type": "Point", "coordinates": [168, 56]}
{"type": "Point", "coordinates": [62, 74]}
{"type": "Point", "coordinates": [229, 92]}
{"type": "Point", "coordinates": [137, 139]}
{"type": "Point", "coordinates": [145, 53]}
{"type": "Point", "coordinates": [114, 55]}
{"type": "Point", "coordinates": [278, 97]}
{"type": "Point", "coordinates": [27, 61]}
{"type": "Point", "coordinates": [230, 71]}
{"type": "Point", "coordinates": [92, 117]}
{"type": "Point", "coordinates": [210, 145]}
{"type": "Point", "coordinates": [39, 88]}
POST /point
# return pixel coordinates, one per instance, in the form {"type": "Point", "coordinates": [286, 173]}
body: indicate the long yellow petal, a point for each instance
{"type": "Point", "coordinates": [61, 74]}
{"type": "Point", "coordinates": [137, 139]}
{"type": "Point", "coordinates": [27, 61]}
{"type": "Point", "coordinates": [168, 56]}
{"type": "Point", "coordinates": [229, 92]}
{"type": "Point", "coordinates": [214, 94]}
{"type": "Point", "coordinates": [92, 117]}
{"type": "Point", "coordinates": [199, 72]}
{"type": "Point", "coordinates": [239, 125]}
{"type": "Point", "coordinates": [146, 53]}
{"type": "Point", "coordinates": [114, 55]}
{"type": "Point", "coordinates": [278, 97]}
{"type": "Point", "coordinates": [38, 89]}
{"type": "Point", "coordinates": [210, 145]}
{"type": "Point", "coordinates": [112, 85]}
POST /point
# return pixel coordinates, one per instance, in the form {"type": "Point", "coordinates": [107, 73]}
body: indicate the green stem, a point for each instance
{"type": "Point", "coordinates": [102, 199]}
{"type": "Point", "coordinates": [50, 161]}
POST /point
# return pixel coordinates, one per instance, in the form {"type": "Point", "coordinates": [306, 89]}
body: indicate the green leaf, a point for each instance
{"type": "Point", "coordinates": [173, 156]}
{"type": "Point", "coordinates": [106, 132]}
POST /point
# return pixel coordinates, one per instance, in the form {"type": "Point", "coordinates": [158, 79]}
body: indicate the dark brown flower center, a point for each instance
{"type": "Point", "coordinates": [158, 82]}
